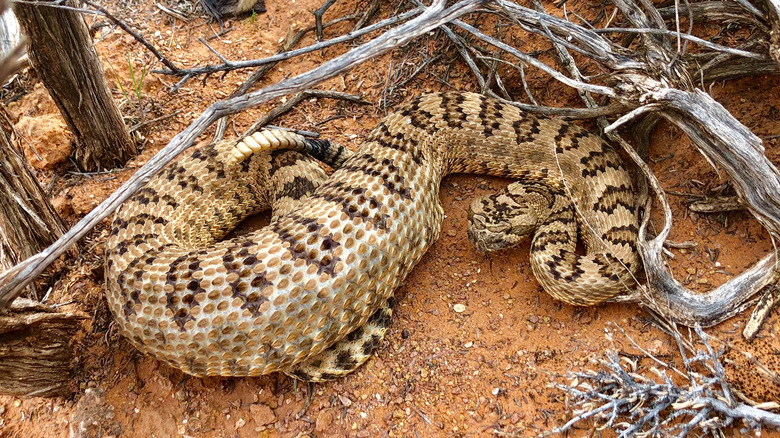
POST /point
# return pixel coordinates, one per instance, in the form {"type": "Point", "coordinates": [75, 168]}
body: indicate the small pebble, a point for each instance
{"type": "Point", "coordinates": [324, 420]}
{"type": "Point", "coordinates": [459, 308]}
{"type": "Point", "coordinates": [262, 414]}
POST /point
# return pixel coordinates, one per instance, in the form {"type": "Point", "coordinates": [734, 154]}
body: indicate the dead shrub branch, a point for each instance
{"type": "Point", "coordinates": [636, 399]}
{"type": "Point", "coordinates": [649, 75]}
{"type": "Point", "coordinates": [655, 77]}
{"type": "Point", "coordinates": [15, 279]}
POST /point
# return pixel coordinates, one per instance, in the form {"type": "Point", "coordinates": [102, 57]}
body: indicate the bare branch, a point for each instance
{"type": "Point", "coordinates": [730, 12]}
{"type": "Point", "coordinates": [718, 204]}
{"type": "Point", "coordinates": [124, 26]}
{"type": "Point", "coordinates": [636, 400]}
{"type": "Point", "coordinates": [236, 65]}
{"type": "Point", "coordinates": [697, 40]}
{"type": "Point", "coordinates": [258, 74]}
{"type": "Point", "coordinates": [588, 42]}
{"type": "Point", "coordinates": [15, 279]}
{"type": "Point", "coordinates": [757, 181]}
{"type": "Point", "coordinates": [298, 98]}
{"type": "Point", "coordinates": [535, 62]}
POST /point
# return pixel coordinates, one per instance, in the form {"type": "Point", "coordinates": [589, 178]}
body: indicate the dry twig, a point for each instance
{"type": "Point", "coordinates": [295, 100]}
{"type": "Point", "coordinates": [636, 400]}
{"type": "Point", "coordinates": [236, 65]}
{"type": "Point", "coordinates": [15, 279]}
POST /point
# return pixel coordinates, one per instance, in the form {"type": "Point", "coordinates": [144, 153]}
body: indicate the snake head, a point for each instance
{"type": "Point", "coordinates": [498, 222]}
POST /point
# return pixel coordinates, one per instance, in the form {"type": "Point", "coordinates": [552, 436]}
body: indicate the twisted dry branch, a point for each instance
{"type": "Point", "coordinates": [641, 80]}
{"type": "Point", "coordinates": [738, 151]}
{"type": "Point", "coordinates": [15, 279]}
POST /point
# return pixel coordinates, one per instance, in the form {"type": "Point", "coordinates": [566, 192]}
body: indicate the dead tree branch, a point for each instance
{"type": "Point", "coordinates": [258, 74]}
{"type": "Point", "coordinates": [15, 279]}
{"type": "Point", "coordinates": [736, 150]}
{"type": "Point", "coordinates": [236, 65]}
{"type": "Point", "coordinates": [124, 26]}
{"type": "Point", "coordinates": [298, 98]}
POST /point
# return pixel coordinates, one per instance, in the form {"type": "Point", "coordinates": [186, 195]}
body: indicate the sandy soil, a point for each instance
{"type": "Point", "coordinates": [439, 372]}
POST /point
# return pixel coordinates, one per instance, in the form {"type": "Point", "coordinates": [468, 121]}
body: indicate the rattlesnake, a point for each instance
{"type": "Point", "coordinates": [277, 298]}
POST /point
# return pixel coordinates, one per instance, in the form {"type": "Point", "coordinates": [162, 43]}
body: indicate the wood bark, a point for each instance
{"type": "Point", "coordinates": [28, 222]}
{"type": "Point", "coordinates": [36, 350]}
{"type": "Point", "coordinates": [62, 54]}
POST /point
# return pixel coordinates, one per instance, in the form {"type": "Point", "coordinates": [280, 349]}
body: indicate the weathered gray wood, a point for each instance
{"type": "Point", "coordinates": [15, 279]}
{"type": "Point", "coordinates": [62, 54]}
{"type": "Point", "coordinates": [36, 350]}
{"type": "Point", "coordinates": [717, 204]}
{"type": "Point", "coordinates": [28, 222]}
{"type": "Point", "coordinates": [736, 150]}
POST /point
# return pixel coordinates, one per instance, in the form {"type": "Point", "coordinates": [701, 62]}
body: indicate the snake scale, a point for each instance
{"type": "Point", "coordinates": [309, 293]}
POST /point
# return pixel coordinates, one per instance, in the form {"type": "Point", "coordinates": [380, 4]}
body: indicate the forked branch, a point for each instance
{"type": "Point", "coordinates": [15, 279]}
{"type": "Point", "coordinates": [643, 80]}
{"type": "Point", "coordinates": [640, 79]}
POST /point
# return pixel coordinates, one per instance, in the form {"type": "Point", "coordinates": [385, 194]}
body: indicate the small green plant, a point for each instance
{"type": "Point", "coordinates": [118, 81]}
{"type": "Point", "coordinates": [251, 19]}
{"type": "Point", "coordinates": [138, 83]}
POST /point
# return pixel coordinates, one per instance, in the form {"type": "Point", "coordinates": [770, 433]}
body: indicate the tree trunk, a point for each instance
{"type": "Point", "coordinates": [61, 53]}
{"type": "Point", "coordinates": [36, 350]}
{"type": "Point", "coordinates": [28, 222]}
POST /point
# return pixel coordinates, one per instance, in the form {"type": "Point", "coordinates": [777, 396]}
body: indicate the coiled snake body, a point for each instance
{"type": "Point", "coordinates": [321, 274]}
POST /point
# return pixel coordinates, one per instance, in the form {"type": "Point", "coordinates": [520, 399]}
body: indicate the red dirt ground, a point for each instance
{"type": "Point", "coordinates": [484, 371]}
